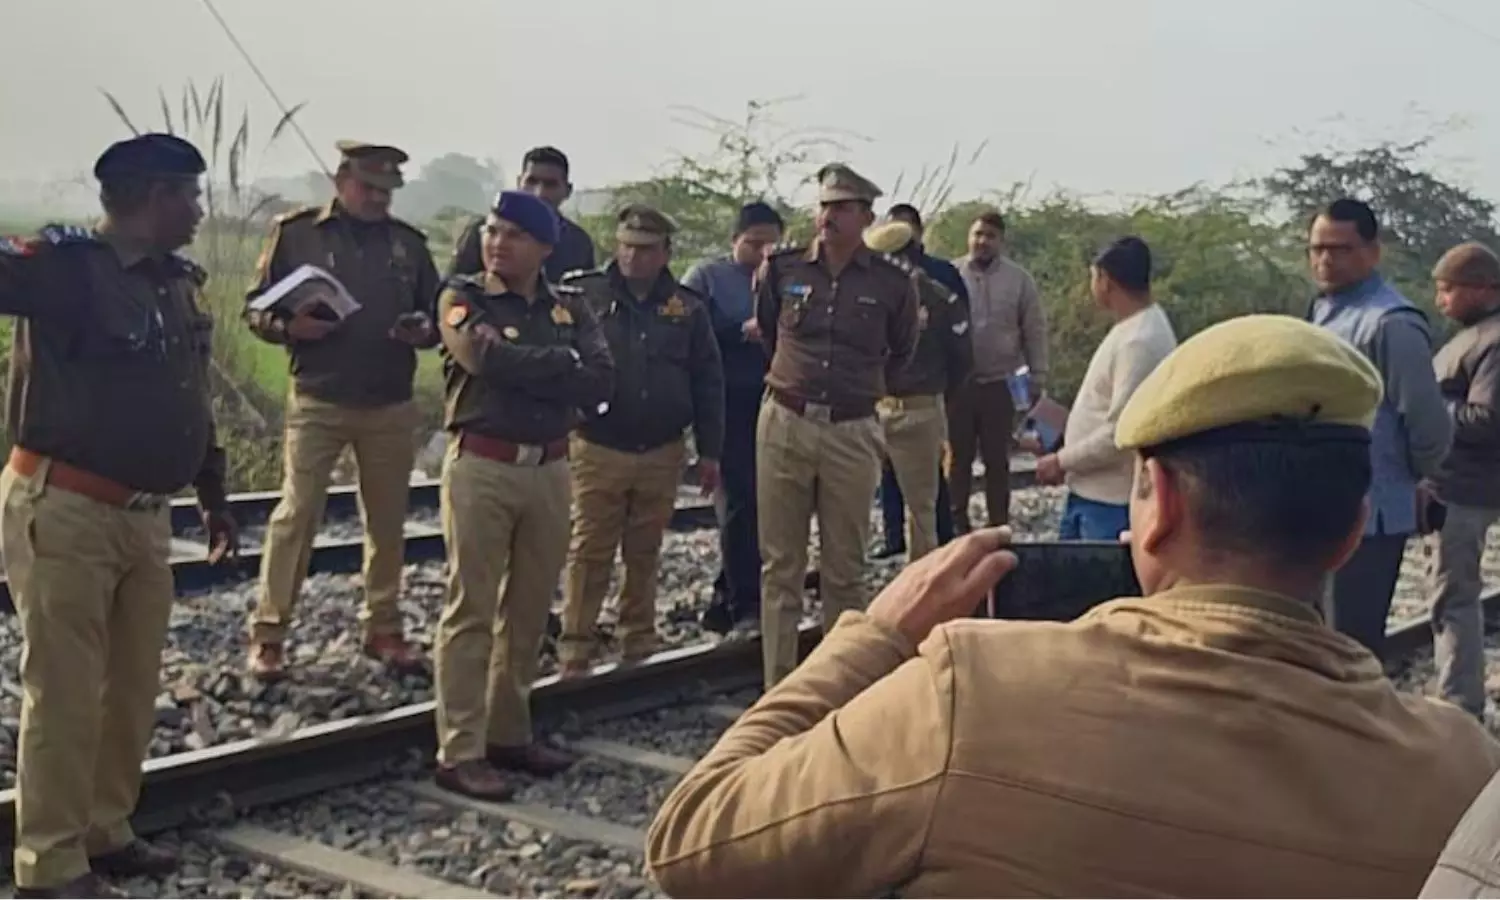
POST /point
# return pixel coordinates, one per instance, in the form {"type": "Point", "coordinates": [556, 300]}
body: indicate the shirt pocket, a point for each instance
{"type": "Point", "coordinates": [670, 339]}
{"type": "Point", "coordinates": [121, 331]}
{"type": "Point", "coordinates": [862, 325]}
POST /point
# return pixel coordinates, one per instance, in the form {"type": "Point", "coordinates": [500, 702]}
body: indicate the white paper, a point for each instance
{"type": "Point", "coordinates": [308, 285]}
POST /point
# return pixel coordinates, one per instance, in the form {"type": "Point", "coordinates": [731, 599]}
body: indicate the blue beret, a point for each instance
{"type": "Point", "coordinates": [531, 214]}
{"type": "Point", "coordinates": [150, 155]}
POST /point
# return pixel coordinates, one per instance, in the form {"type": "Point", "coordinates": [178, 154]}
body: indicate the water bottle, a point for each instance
{"type": "Point", "coordinates": [1019, 383]}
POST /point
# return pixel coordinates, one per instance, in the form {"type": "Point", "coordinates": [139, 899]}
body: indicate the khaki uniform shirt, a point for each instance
{"type": "Point", "coordinates": [944, 356]}
{"type": "Point", "coordinates": [1207, 741]}
{"type": "Point", "coordinates": [668, 374]}
{"type": "Point", "coordinates": [524, 375]}
{"type": "Point", "coordinates": [1469, 865]}
{"type": "Point", "coordinates": [835, 340]}
{"type": "Point", "coordinates": [109, 370]}
{"type": "Point", "coordinates": [387, 268]}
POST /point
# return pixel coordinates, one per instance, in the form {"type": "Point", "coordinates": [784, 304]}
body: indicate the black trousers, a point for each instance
{"type": "Point", "coordinates": [1363, 588]}
{"type": "Point", "coordinates": [737, 587]}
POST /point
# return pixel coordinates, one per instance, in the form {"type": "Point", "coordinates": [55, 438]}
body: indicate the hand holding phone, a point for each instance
{"type": "Point", "coordinates": [1061, 580]}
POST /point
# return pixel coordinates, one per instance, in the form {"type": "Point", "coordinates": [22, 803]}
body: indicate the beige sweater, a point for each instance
{"type": "Point", "coordinates": [1096, 469]}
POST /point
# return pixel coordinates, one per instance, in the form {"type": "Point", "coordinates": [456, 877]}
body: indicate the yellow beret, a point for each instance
{"type": "Point", "coordinates": [1260, 369]}
{"type": "Point", "coordinates": [888, 237]}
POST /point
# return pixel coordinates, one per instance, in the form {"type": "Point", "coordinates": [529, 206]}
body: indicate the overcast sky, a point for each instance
{"type": "Point", "coordinates": [1122, 96]}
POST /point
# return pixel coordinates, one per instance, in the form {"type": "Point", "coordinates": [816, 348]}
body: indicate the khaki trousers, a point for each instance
{"type": "Point", "coordinates": [506, 529]}
{"type": "Point", "coordinates": [915, 428]}
{"type": "Point", "coordinates": [93, 591]}
{"type": "Point", "coordinates": [804, 466]}
{"type": "Point", "coordinates": [625, 501]}
{"type": "Point", "coordinates": [316, 433]}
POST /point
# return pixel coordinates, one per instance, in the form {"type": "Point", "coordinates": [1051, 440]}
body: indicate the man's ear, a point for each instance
{"type": "Point", "coordinates": [1163, 506]}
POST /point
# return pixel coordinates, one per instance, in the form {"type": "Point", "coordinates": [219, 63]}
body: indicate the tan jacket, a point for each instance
{"type": "Point", "coordinates": [1469, 865]}
{"type": "Point", "coordinates": [1207, 741]}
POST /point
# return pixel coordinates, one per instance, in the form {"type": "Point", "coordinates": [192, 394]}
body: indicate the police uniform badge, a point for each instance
{"type": "Point", "coordinates": [511, 332]}
{"type": "Point", "coordinates": [457, 314]}
{"type": "Point", "coordinates": [674, 308]}
{"type": "Point", "coordinates": [561, 316]}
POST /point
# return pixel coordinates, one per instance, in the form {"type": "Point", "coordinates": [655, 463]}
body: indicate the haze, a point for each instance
{"type": "Point", "coordinates": [1096, 96]}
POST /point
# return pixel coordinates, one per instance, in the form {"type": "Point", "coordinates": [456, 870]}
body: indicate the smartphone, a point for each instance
{"type": "Point", "coordinates": [1060, 580]}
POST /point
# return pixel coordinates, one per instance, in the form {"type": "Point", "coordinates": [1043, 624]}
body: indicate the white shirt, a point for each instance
{"type": "Point", "coordinates": [1096, 469]}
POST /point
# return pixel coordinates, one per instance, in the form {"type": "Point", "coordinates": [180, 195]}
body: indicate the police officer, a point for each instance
{"type": "Point", "coordinates": [627, 462]}
{"type": "Point", "coordinates": [912, 415]}
{"type": "Point", "coordinates": [544, 173]}
{"type": "Point", "coordinates": [352, 386]}
{"type": "Point", "coordinates": [109, 416]}
{"type": "Point", "coordinates": [1216, 731]}
{"type": "Point", "coordinates": [520, 357]}
{"type": "Point", "coordinates": [838, 322]}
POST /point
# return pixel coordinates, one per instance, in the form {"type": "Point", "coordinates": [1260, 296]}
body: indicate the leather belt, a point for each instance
{"type": "Point", "coordinates": [77, 481]}
{"type": "Point", "coordinates": [499, 450]}
{"type": "Point", "coordinates": [911, 401]}
{"type": "Point", "coordinates": [822, 412]}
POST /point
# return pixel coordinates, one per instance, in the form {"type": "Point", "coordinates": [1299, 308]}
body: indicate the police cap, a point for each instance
{"type": "Point", "coordinates": [1254, 379]}
{"type": "Point", "coordinates": [150, 156]}
{"type": "Point", "coordinates": [377, 165]}
{"type": "Point", "coordinates": [642, 225]}
{"type": "Point", "coordinates": [836, 182]}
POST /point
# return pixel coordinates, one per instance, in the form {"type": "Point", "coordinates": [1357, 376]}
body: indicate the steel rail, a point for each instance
{"type": "Point", "coordinates": [181, 789]}
{"type": "Point", "coordinates": [185, 788]}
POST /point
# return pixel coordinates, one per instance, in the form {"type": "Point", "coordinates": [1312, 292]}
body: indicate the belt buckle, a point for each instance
{"type": "Point", "coordinates": [529, 454]}
{"type": "Point", "coordinates": [143, 502]}
{"type": "Point", "coordinates": [818, 412]}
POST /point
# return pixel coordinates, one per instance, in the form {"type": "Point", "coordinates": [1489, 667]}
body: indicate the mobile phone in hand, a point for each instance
{"type": "Point", "coordinates": [1060, 580]}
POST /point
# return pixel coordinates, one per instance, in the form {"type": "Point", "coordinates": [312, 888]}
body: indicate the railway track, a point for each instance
{"type": "Point", "coordinates": [424, 539]}
{"type": "Point", "coordinates": [348, 808]}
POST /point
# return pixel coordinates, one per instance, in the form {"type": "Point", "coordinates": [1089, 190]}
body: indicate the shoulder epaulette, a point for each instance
{"type": "Point", "coordinates": [899, 262]}
{"type": "Point", "coordinates": [572, 290]}
{"type": "Point", "coordinates": [573, 275]}
{"type": "Point", "coordinates": [14, 246]}
{"type": "Point", "coordinates": [692, 292]}
{"type": "Point", "coordinates": [66, 234]}
{"type": "Point", "coordinates": [192, 270]}
{"type": "Point", "coordinates": [301, 212]}
{"type": "Point", "coordinates": [464, 282]}
{"type": "Point", "coordinates": [787, 247]}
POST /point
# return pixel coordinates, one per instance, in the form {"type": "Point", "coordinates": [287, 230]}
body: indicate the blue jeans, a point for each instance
{"type": "Point", "coordinates": [893, 510]}
{"type": "Point", "coordinates": [1090, 520]}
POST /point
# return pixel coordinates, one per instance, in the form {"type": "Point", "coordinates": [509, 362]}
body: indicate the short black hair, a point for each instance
{"type": "Point", "coordinates": [755, 213]}
{"type": "Point", "coordinates": [1127, 262]}
{"type": "Point", "coordinates": [546, 156]}
{"type": "Point", "coordinates": [126, 195]}
{"type": "Point", "coordinates": [992, 218]}
{"type": "Point", "coordinates": [905, 212]}
{"type": "Point", "coordinates": [1356, 212]}
{"type": "Point", "coordinates": [1290, 504]}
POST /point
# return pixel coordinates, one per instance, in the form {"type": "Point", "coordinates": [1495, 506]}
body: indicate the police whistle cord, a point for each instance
{"type": "Point", "coordinates": [286, 112]}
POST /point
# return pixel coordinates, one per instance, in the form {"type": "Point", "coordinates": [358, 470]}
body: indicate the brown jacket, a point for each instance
{"type": "Point", "coordinates": [944, 356]}
{"type": "Point", "coordinates": [109, 370]}
{"type": "Point", "coordinates": [1469, 865]}
{"type": "Point", "coordinates": [668, 375]}
{"type": "Point", "coordinates": [837, 341]}
{"type": "Point", "coordinates": [524, 376]}
{"type": "Point", "coordinates": [1204, 742]}
{"type": "Point", "coordinates": [387, 267]}
{"type": "Point", "coordinates": [1468, 374]}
